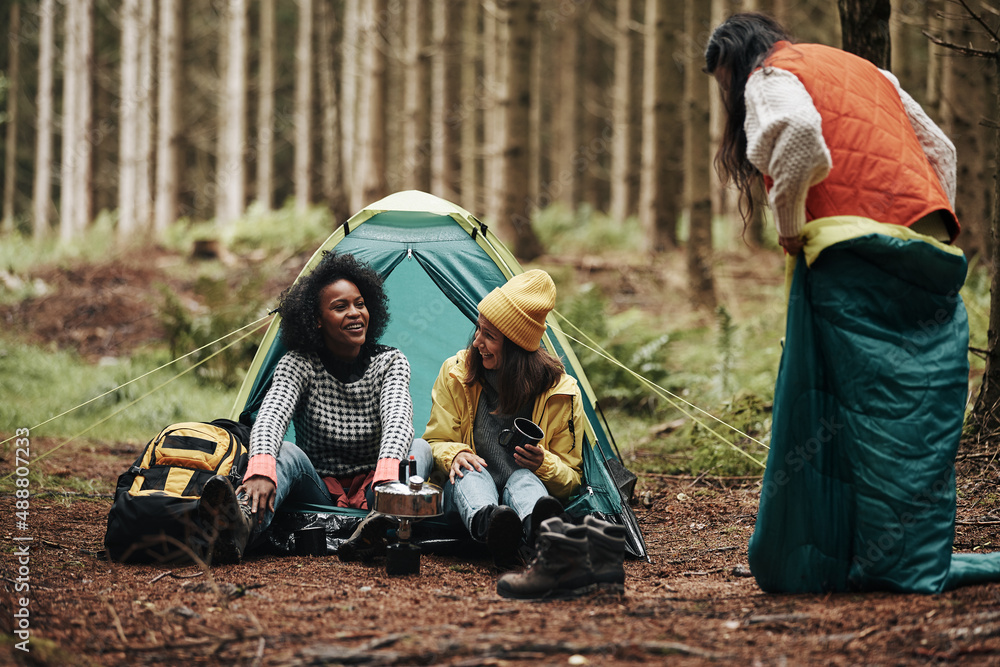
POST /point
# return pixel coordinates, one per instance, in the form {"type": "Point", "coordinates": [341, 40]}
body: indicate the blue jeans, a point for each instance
{"type": "Point", "coordinates": [476, 490]}
{"type": "Point", "coordinates": [299, 482]}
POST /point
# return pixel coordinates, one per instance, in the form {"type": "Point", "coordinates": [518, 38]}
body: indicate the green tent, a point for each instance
{"type": "Point", "coordinates": [437, 261]}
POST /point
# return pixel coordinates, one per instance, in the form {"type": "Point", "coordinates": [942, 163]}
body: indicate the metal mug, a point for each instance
{"type": "Point", "coordinates": [524, 432]}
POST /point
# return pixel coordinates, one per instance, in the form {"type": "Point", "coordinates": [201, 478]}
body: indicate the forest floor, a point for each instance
{"type": "Point", "coordinates": [692, 602]}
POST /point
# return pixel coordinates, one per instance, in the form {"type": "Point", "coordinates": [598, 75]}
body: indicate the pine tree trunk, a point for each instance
{"type": "Point", "coordinates": [564, 186]}
{"type": "Point", "coordinates": [864, 26]}
{"type": "Point", "coordinates": [966, 98]}
{"type": "Point", "coordinates": [230, 173]}
{"type": "Point", "coordinates": [595, 135]}
{"type": "Point", "coordinates": [128, 122]}
{"type": "Point", "coordinates": [472, 116]}
{"type": "Point", "coordinates": [168, 116]}
{"type": "Point", "coordinates": [935, 58]}
{"type": "Point", "coordinates": [446, 174]}
{"type": "Point", "coordinates": [303, 106]}
{"type": "Point", "coordinates": [662, 175]}
{"type": "Point", "coordinates": [85, 119]}
{"type": "Point", "coordinates": [333, 170]}
{"type": "Point", "coordinates": [349, 84]}
{"type": "Point", "coordinates": [624, 171]}
{"type": "Point", "coordinates": [514, 221]}
{"type": "Point", "coordinates": [10, 141]}
{"type": "Point", "coordinates": [987, 408]}
{"type": "Point", "coordinates": [373, 183]}
{"type": "Point", "coordinates": [417, 140]}
{"type": "Point", "coordinates": [144, 120]}
{"type": "Point", "coordinates": [41, 195]}
{"type": "Point", "coordinates": [265, 107]}
{"type": "Point", "coordinates": [68, 157]}
{"type": "Point", "coordinates": [492, 68]}
{"type": "Point", "coordinates": [698, 176]}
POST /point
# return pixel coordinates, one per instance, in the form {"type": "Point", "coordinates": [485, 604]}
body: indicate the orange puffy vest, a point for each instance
{"type": "Point", "coordinates": [879, 169]}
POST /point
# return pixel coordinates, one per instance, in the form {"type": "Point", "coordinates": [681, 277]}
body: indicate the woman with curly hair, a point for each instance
{"type": "Point", "coordinates": [347, 396]}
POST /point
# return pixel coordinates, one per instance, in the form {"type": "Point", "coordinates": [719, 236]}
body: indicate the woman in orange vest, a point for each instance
{"type": "Point", "coordinates": [831, 134]}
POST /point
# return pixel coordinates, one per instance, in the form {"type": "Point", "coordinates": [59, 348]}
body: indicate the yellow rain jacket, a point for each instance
{"type": "Point", "coordinates": [558, 411]}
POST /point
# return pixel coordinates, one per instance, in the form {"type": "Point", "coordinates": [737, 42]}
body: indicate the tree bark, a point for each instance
{"type": "Point", "coordinates": [144, 120]}
{"type": "Point", "coordinates": [70, 108]}
{"type": "Point", "coordinates": [349, 84]}
{"type": "Point", "coordinates": [662, 160]}
{"type": "Point", "coordinates": [41, 195]}
{"type": "Point", "coordinates": [303, 106]}
{"type": "Point", "coordinates": [472, 116]}
{"type": "Point", "coordinates": [446, 174]}
{"type": "Point", "coordinates": [128, 123]}
{"type": "Point", "coordinates": [864, 26]}
{"type": "Point", "coordinates": [564, 186]}
{"type": "Point", "coordinates": [231, 168]}
{"type": "Point", "coordinates": [493, 47]}
{"type": "Point", "coordinates": [10, 141]}
{"type": "Point", "coordinates": [169, 116]}
{"type": "Point", "coordinates": [372, 111]}
{"type": "Point", "coordinates": [333, 169]}
{"type": "Point", "coordinates": [265, 107]}
{"type": "Point", "coordinates": [417, 140]}
{"type": "Point", "coordinates": [514, 221]}
{"type": "Point", "coordinates": [625, 142]}
{"type": "Point", "coordinates": [698, 170]}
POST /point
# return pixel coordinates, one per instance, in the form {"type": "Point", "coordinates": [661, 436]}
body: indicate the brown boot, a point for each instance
{"type": "Point", "coordinates": [607, 553]}
{"type": "Point", "coordinates": [226, 521]}
{"type": "Point", "coordinates": [560, 570]}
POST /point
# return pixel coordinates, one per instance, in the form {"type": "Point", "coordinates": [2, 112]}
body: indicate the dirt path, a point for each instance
{"type": "Point", "coordinates": [689, 606]}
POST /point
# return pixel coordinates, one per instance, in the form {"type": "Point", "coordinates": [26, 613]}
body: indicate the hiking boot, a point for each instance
{"type": "Point", "coordinates": [368, 540]}
{"type": "Point", "coordinates": [501, 529]}
{"type": "Point", "coordinates": [560, 570]}
{"type": "Point", "coordinates": [227, 522]}
{"type": "Point", "coordinates": [607, 553]}
{"type": "Point", "coordinates": [545, 508]}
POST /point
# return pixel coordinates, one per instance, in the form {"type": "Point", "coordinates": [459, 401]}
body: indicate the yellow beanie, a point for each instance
{"type": "Point", "coordinates": [518, 309]}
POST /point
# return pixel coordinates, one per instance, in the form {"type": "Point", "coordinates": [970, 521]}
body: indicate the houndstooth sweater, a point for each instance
{"type": "Point", "coordinates": [344, 427]}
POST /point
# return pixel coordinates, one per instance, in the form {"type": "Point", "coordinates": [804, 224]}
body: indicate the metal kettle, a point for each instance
{"type": "Point", "coordinates": [409, 499]}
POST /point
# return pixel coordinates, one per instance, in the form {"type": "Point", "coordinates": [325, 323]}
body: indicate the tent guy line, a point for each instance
{"type": "Point", "coordinates": [155, 389]}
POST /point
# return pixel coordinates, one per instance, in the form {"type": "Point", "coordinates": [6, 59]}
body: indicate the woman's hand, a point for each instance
{"type": "Point", "coordinates": [791, 244]}
{"type": "Point", "coordinates": [529, 456]}
{"type": "Point", "coordinates": [467, 460]}
{"type": "Point", "coordinates": [261, 492]}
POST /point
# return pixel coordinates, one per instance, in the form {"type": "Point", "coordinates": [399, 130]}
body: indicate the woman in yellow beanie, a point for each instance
{"type": "Point", "coordinates": [501, 494]}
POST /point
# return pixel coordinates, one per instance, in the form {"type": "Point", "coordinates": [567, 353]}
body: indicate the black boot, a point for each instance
{"type": "Point", "coordinates": [226, 521]}
{"type": "Point", "coordinates": [607, 553]}
{"type": "Point", "coordinates": [500, 528]}
{"type": "Point", "coordinates": [545, 508]}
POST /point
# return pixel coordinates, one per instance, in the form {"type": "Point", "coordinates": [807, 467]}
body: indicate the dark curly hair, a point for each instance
{"type": "Point", "coordinates": [739, 45]}
{"type": "Point", "coordinates": [299, 304]}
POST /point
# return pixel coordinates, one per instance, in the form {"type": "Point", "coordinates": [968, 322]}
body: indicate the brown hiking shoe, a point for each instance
{"type": "Point", "coordinates": [607, 553]}
{"type": "Point", "coordinates": [368, 541]}
{"type": "Point", "coordinates": [225, 520]}
{"type": "Point", "coordinates": [560, 570]}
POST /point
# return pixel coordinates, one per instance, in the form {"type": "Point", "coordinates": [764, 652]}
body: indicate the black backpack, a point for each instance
{"type": "Point", "coordinates": [154, 517]}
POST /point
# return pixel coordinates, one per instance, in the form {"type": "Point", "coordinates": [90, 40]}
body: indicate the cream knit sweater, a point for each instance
{"type": "Point", "coordinates": [785, 141]}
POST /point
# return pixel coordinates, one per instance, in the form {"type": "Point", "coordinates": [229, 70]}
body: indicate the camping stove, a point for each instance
{"type": "Point", "coordinates": [409, 499]}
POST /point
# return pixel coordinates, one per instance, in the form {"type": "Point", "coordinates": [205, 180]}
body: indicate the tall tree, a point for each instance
{"type": "Point", "coordinates": [493, 48]}
{"type": "Point", "coordinates": [10, 141]}
{"type": "Point", "coordinates": [41, 195]}
{"type": "Point", "coordinates": [446, 130]}
{"type": "Point", "coordinates": [514, 221]}
{"type": "Point", "coordinates": [231, 167]}
{"type": "Point", "coordinates": [662, 176]}
{"type": "Point", "coordinates": [417, 140]}
{"type": "Point", "coordinates": [332, 169]}
{"type": "Point", "coordinates": [265, 107]}
{"type": "Point", "coordinates": [625, 142]}
{"type": "Point", "coordinates": [128, 123]}
{"type": "Point", "coordinates": [144, 119]}
{"type": "Point", "coordinates": [471, 107]}
{"type": "Point", "coordinates": [864, 26]}
{"type": "Point", "coordinates": [303, 106]}
{"type": "Point", "coordinates": [372, 110]}
{"type": "Point", "coordinates": [168, 115]}
{"type": "Point", "coordinates": [349, 85]}
{"type": "Point", "coordinates": [564, 186]}
{"type": "Point", "coordinates": [73, 146]}
{"type": "Point", "coordinates": [697, 158]}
